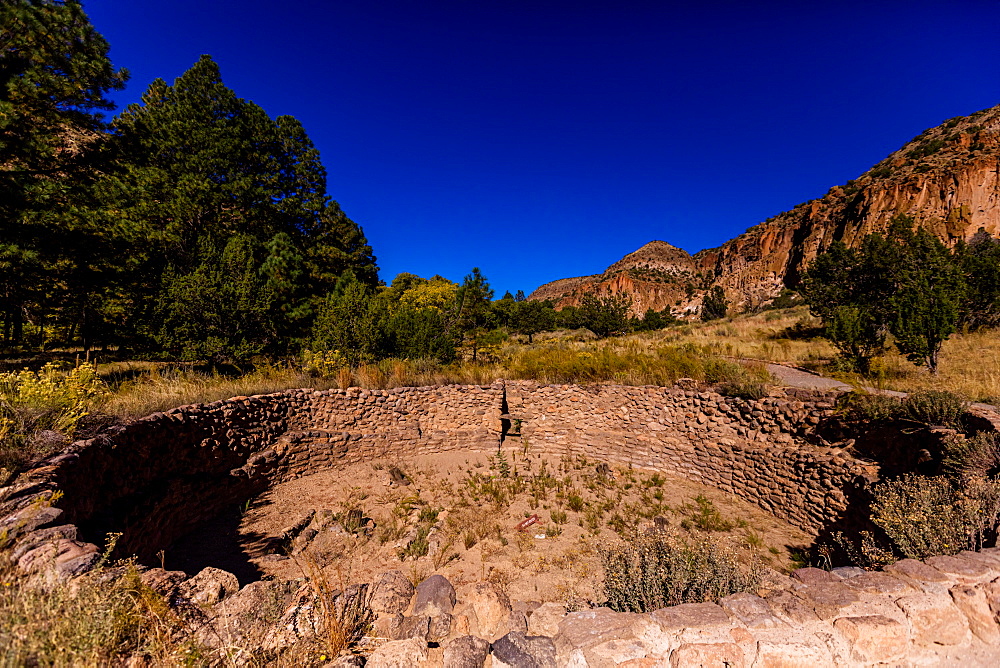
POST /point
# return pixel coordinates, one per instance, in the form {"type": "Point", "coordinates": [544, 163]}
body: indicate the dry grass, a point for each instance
{"type": "Point", "coordinates": [970, 363]}
{"type": "Point", "coordinates": [969, 366]}
{"type": "Point", "coordinates": [106, 617]}
{"type": "Point", "coordinates": [155, 387]}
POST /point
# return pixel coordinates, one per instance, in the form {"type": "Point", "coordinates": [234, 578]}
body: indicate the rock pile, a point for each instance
{"type": "Point", "coordinates": [913, 612]}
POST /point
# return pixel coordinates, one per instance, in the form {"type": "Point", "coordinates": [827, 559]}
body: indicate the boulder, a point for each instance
{"type": "Point", "coordinates": [875, 638]}
{"type": "Point", "coordinates": [972, 603]}
{"type": "Point", "coordinates": [698, 655]}
{"type": "Point", "coordinates": [751, 610]}
{"type": "Point", "coordinates": [398, 654]}
{"type": "Point", "coordinates": [392, 593]}
{"type": "Point", "coordinates": [544, 620]}
{"type": "Point", "coordinates": [403, 628]}
{"type": "Point", "coordinates": [434, 596]}
{"type": "Point", "coordinates": [516, 650]}
{"type": "Point", "coordinates": [934, 620]}
{"type": "Point", "coordinates": [465, 652]}
{"type": "Point", "coordinates": [209, 586]}
{"type": "Point", "coordinates": [492, 608]}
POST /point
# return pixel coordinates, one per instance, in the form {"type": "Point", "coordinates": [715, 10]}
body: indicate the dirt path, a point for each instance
{"type": "Point", "coordinates": [788, 376]}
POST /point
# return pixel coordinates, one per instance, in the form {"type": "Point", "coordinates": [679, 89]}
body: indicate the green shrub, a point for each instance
{"type": "Point", "coordinates": [929, 516]}
{"type": "Point", "coordinates": [975, 457]}
{"type": "Point", "coordinates": [651, 572]}
{"type": "Point", "coordinates": [707, 517]}
{"type": "Point", "coordinates": [864, 407]}
{"type": "Point", "coordinates": [51, 399]}
{"type": "Point", "coordinates": [935, 407]}
{"type": "Point", "coordinates": [419, 546]}
{"type": "Point", "coordinates": [745, 389]}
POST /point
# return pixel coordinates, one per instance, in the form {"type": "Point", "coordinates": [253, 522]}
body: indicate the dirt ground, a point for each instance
{"type": "Point", "coordinates": [458, 514]}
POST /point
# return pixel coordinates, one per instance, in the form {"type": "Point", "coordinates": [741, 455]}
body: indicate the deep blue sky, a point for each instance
{"type": "Point", "coordinates": [540, 140]}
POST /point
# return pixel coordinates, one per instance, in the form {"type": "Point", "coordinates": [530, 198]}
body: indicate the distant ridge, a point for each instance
{"type": "Point", "coordinates": [947, 178]}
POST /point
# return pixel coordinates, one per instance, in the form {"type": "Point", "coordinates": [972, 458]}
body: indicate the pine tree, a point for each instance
{"type": "Point", "coordinates": [54, 77]}
{"type": "Point", "coordinates": [473, 309]}
{"type": "Point", "coordinates": [605, 316]}
{"type": "Point", "coordinates": [926, 304]}
{"type": "Point", "coordinates": [197, 165]}
{"type": "Point", "coordinates": [714, 305]}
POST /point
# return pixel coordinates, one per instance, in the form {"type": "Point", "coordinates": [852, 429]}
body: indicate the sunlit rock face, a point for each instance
{"type": "Point", "coordinates": [947, 179]}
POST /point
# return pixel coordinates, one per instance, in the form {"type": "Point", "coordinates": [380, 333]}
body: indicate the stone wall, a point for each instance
{"type": "Point", "coordinates": [156, 478]}
{"type": "Point", "coordinates": [941, 611]}
{"type": "Point", "coordinates": [754, 450]}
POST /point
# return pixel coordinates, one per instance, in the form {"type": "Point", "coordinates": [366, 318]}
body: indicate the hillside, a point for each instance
{"type": "Point", "coordinates": [947, 178]}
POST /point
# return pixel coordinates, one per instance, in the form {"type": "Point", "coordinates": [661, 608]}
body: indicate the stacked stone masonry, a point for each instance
{"type": "Point", "coordinates": [155, 479]}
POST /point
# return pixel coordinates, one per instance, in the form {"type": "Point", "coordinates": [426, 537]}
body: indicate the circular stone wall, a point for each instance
{"type": "Point", "coordinates": [155, 479]}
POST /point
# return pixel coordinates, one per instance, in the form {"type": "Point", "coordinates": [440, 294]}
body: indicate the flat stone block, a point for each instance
{"type": "Point", "coordinates": [875, 638]}
{"type": "Point", "coordinates": [934, 620]}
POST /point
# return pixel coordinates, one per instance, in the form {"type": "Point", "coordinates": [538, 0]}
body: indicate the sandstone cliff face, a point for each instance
{"type": "Point", "coordinates": [947, 178]}
{"type": "Point", "coordinates": [655, 276]}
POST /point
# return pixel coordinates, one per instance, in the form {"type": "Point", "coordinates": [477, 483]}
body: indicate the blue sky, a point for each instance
{"type": "Point", "coordinates": [546, 139]}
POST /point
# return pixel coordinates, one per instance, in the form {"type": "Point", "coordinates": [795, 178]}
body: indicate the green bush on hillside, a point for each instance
{"type": "Point", "coordinates": [654, 571]}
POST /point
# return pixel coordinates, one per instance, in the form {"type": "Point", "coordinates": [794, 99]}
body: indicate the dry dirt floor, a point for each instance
{"type": "Point", "coordinates": [463, 515]}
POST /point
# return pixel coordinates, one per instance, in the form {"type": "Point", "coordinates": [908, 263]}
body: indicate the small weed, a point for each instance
{"type": "Point", "coordinates": [707, 517]}
{"type": "Point", "coordinates": [428, 514]}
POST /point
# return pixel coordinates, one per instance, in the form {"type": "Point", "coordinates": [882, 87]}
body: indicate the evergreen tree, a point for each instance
{"type": "Point", "coordinates": [420, 333]}
{"type": "Point", "coordinates": [842, 288]}
{"type": "Point", "coordinates": [532, 317]}
{"type": "Point", "coordinates": [979, 262]}
{"type": "Point", "coordinates": [54, 75]}
{"type": "Point", "coordinates": [606, 315]}
{"type": "Point", "coordinates": [714, 305]}
{"type": "Point", "coordinates": [217, 311]}
{"type": "Point", "coordinates": [473, 309]}
{"type": "Point", "coordinates": [926, 304]}
{"type": "Point", "coordinates": [653, 320]}
{"type": "Point", "coordinates": [352, 320]}
{"type": "Point", "coordinates": [905, 283]}
{"type": "Point", "coordinates": [197, 165]}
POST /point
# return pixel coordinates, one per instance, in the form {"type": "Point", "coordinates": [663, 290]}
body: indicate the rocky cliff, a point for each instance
{"type": "Point", "coordinates": [947, 178]}
{"type": "Point", "coordinates": [656, 276]}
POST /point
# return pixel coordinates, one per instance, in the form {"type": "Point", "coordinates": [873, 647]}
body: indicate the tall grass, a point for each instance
{"type": "Point", "coordinates": [628, 365]}
{"type": "Point", "coordinates": [103, 618]}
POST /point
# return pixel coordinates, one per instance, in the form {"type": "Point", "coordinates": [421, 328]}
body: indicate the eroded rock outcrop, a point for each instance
{"type": "Point", "coordinates": [947, 178]}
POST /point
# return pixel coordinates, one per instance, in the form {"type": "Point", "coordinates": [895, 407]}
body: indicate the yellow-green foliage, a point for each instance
{"type": "Point", "coordinates": [52, 398]}
{"type": "Point", "coordinates": [437, 293]}
{"type": "Point", "coordinates": [323, 363]}
{"type": "Point", "coordinates": [929, 516]}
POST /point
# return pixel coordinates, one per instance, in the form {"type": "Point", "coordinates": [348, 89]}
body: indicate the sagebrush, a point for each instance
{"type": "Point", "coordinates": [655, 571]}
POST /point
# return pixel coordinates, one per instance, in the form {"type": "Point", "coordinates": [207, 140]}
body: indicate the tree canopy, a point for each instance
{"type": "Point", "coordinates": [192, 224]}
{"type": "Point", "coordinates": [906, 284]}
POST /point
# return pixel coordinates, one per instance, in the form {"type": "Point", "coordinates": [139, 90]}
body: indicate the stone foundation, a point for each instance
{"type": "Point", "coordinates": [156, 478]}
